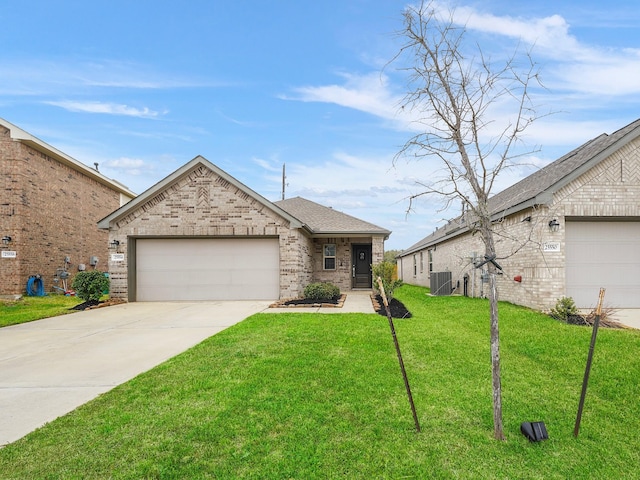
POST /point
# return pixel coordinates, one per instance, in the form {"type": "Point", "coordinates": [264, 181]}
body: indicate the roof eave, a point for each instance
{"type": "Point", "coordinates": [350, 233]}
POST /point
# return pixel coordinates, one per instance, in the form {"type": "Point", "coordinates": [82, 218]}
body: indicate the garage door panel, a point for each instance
{"type": "Point", "coordinates": [207, 269]}
{"type": "Point", "coordinates": [607, 255]}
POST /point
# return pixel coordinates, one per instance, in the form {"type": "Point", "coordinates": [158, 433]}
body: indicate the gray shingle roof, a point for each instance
{"type": "Point", "coordinates": [324, 220]}
{"type": "Point", "coordinates": [539, 187]}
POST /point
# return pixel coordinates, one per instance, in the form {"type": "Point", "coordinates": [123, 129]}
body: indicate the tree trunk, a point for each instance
{"type": "Point", "coordinates": [498, 431]}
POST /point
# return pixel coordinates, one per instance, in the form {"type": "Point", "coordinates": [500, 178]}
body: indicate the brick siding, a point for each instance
{"type": "Point", "coordinates": [50, 211]}
{"type": "Point", "coordinates": [203, 204]}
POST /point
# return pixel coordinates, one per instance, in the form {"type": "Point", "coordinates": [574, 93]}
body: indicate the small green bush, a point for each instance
{"type": "Point", "coordinates": [565, 310]}
{"type": "Point", "coordinates": [321, 291]}
{"type": "Point", "coordinates": [90, 285]}
{"type": "Point", "coordinates": [386, 271]}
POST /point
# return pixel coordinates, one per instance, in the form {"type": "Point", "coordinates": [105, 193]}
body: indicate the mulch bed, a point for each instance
{"type": "Point", "coordinates": [396, 307]}
{"type": "Point", "coordinates": [589, 320]}
{"type": "Point", "coordinates": [306, 302]}
{"type": "Point", "coordinates": [91, 304]}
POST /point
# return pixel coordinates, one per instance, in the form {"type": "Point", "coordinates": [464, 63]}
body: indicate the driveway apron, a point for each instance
{"type": "Point", "coordinates": [50, 367]}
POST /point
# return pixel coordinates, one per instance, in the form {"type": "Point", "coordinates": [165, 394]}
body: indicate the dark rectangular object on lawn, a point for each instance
{"type": "Point", "coordinates": [534, 431]}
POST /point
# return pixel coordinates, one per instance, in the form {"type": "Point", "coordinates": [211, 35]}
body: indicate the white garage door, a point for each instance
{"type": "Point", "coordinates": [603, 254]}
{"type": "Point", "coordinates": [207, 269]}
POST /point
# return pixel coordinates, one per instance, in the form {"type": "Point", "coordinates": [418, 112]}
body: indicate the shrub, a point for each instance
{"type": "Point", "coordinates": [565, 310]}
{"type": "Point", "coordinates": [321, 291]}
{"type": "Point", "coordinates": [387, 272]}
{"type": "Point", "coordinates": [90, 285]}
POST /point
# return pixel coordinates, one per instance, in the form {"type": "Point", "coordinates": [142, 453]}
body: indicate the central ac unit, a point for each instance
{"type": "Point", "coordinates": [440, 283]}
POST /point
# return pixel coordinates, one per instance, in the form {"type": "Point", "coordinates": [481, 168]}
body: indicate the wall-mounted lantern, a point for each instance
{"type": "Point", "coordinates": [6, 239]}
{"type": "Point", "coordinates": [554, 225]}
{"type": "Point", "coordinates": [114, 244]}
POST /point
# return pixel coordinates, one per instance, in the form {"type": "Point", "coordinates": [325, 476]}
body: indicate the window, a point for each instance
{"type": "Point", "coordinates": [329, 256]}
{"type": "Point", "coordinates": [415, 265]}
{"type": "Point", "coordinates": [430, 261]}
{"type": "Point", "coordinates": [421, 262]}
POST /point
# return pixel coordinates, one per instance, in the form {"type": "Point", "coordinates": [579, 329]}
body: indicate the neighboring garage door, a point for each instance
{"type": "Point", "coordinates": [207, 269]}
{"type": "Point", "coordinates": [603, 254]}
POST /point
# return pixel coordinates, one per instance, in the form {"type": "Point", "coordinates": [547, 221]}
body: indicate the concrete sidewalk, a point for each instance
{"type": "Point", "coordinates": [50, 367]}
{"type": "Point", "coordinates": [628, 316]}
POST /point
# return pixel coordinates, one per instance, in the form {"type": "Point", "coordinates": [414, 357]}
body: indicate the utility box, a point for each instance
{"type": "Point", "coordinates": [93, 261]}
{"type": "Point", "coordinates": [440, 283]}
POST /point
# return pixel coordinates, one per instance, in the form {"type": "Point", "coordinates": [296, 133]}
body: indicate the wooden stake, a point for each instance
{"type": "Point", "coordinates": [395, 341]}
{"type": "Point", "coordinates": [585, 381]}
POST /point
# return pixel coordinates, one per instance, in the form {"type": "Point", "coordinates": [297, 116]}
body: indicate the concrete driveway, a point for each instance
{"type": "Point", "coordinates": [50, 367]}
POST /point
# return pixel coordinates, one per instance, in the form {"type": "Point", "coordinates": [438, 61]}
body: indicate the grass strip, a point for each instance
{"type": "Point", "coordinates": [28, 309]}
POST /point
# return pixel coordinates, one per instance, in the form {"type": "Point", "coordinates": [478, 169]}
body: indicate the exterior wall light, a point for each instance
{"type": "Point", "coordinates": [114, 244]}
{"type": "Point", "coordinates": [554, 225]}
{"type": "Point", "coordinates": [6, 239]}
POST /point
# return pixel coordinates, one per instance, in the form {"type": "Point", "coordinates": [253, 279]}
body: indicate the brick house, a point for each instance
{"type": "Point", "coordinates": [566, 230]}
{"type": "Point", "coordinates": [48, 211]}
{"type": "Point", "coordinates": [200, 234]}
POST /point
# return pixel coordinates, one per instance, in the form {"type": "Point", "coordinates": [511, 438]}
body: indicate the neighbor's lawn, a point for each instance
{"type": "Point", "coordinates": [320, 396]}
{"type": "Point", "coordinates": [28, 309]}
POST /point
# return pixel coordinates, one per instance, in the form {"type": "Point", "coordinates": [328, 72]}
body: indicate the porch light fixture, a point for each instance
{"type": "Point", "coordinates": [554, 225]}
{"type": "Point", "coordinates": [114, 244]}
{"type": "Point", "coordinates": [6, 239]}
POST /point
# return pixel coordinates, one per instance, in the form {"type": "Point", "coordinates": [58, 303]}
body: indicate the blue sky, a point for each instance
{"type": "Point", "coordinates": [142, 87]}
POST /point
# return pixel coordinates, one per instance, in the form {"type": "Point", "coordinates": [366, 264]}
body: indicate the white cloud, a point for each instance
{"type": "Point", "coordinates": [30, 77]}
{"type": "Point", "coordinates": [370, 93]}
{"type": "Point", "coordinates": [570, 65]}
{"type": "Point", "coordinates": [126, 163]}
{"type": "Point", "coordinates": [106, 108]}
{"type": "Point", "coordinates": [271, 166]}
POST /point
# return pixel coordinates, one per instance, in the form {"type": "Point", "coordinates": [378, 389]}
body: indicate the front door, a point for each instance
{"type": "Point", "coordinates": [361, 267]}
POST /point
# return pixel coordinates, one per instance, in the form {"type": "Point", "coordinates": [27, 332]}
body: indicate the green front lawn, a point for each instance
{"type": "Point", "coordinates": [28, 309]}
{"type": "Point", "coordinates": [321, 396]}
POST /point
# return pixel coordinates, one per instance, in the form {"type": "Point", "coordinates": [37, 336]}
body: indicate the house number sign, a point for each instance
{"type": "Point", "coordinates": [117, 257]}
{"type": "Point", "coordinates": [551, 247]}
{"type": "Point", "coordinates": [8, 254]}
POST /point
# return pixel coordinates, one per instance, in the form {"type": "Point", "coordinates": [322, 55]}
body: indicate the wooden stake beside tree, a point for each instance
{"type": "Point", "coordinates": [592, 346]}
{"type": "Point", "coordinates": [400, 361]}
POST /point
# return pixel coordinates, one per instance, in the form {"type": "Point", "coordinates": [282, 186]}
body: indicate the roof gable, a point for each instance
{"type": "Point", "coordinates": [325, 220]}
{"type": "Point", "coordinates": [539, 187]}
{"type": "Point", "coordinates": [176, 176]}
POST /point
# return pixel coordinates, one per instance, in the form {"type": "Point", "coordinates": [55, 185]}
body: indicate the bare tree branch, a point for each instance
{"type": "Point", "coordinates": [457, 97]}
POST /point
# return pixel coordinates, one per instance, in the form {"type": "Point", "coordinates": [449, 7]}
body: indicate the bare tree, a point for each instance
{"type": "Point", "coordinates": [470, 114]}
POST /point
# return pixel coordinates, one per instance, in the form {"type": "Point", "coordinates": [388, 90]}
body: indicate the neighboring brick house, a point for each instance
{"type": "Point", "coordinates": [566, 230]}
{"type": "Point", "coordinates": [49, 207]}
{"type": "Point", "coordinates": [200, 234]}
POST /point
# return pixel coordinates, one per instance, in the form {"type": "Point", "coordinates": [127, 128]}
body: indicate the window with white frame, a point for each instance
{"type": "Point", "coordinates": [329, 256]}
{"type": "Point", "coordinates": [430, 261]}
{"type": "Point", "coordinates": [421, 262]}
{"type": "Point", "coordinates": [415, 265]}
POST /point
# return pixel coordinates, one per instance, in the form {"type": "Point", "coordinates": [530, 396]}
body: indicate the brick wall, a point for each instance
{"type": "Point", "coordinates": [51, 211]}
{"type": "Point", "coordinates": [342, 275]}
{"type": "Point", "coordinates": [202, 204]}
